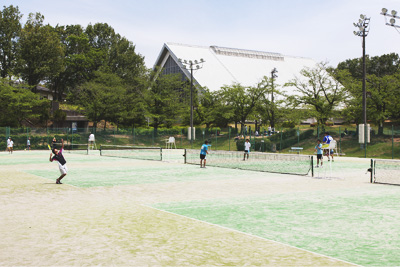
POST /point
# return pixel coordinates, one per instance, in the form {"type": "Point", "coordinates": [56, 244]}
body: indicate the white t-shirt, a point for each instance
{"type": "Point", "coordinates": [91, 138]}
{"type": "Point", "coordinates": [247, 146]}
{"type": "Point", "coordinates": [10, 143]}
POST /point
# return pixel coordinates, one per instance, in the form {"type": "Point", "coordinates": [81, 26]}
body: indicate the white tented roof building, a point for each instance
{"type": "Point", "coordinates": [225, 66]}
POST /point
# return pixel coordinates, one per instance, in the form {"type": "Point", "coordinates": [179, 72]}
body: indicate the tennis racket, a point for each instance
{"type": "Point", "coordinates": [49, 147]}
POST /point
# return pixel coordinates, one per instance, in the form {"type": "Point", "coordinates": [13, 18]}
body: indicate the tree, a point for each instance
{"type": "Point", "coordinates": [10, 28]}
{"type": "Point", "coordinates": [40, 50]}
{"type": "Point", "coordinates": [210, 109]}
{"type": "Point", "coordinates": [163, 100]}
{"type": "Point", "coordinates": [382, 86]}
{"type": "Point", "coordinates": [319, 91]}
{"type": "Point", "coordinates": [101, 98]}
{"type": "Point", "coordinates": [242, 100]}
{"type": "Point", "coordinates": [18, 104]}
{"type": "Point", "coordinates": [80, 61]}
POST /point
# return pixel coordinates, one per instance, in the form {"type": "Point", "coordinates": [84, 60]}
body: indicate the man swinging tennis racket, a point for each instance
{"type": "Point", "coordinates": [62, 163]}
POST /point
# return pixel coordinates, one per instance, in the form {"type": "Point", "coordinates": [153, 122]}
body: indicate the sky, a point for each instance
{"type": "Point", "coordinates": [317, 29]}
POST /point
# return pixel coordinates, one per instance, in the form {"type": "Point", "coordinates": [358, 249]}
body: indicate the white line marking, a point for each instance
{"type": "Point", "coordinates": [251, 235]}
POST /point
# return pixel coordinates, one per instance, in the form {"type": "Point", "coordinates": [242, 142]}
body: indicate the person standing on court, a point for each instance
{"type": "Point", "coordinates": [28, 144]}
{"type": "Point", "coordinates": [318, 149]}
{"type": "Point", "coordinates": [62, 163]}
{"type": "Point", "coordinates": [327, 140]}
{"type": "Point", "coordinates": [247, 146]}
{"type": "Point", "coordinates": [203, 154]}
{"type": "Point", "coordinates": [91, 140]}
{"type": "Point", "coordinates": [10, 145]}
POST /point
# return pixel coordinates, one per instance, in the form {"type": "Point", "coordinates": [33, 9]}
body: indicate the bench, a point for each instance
{"type": "Point", "coordinates": [298, 150]}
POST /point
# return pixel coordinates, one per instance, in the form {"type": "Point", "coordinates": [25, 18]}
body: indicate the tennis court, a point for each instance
{"type": "Point", "coordinates": [122, 211]}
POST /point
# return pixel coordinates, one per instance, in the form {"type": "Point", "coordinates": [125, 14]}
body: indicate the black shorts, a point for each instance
{"type": "Point", "coordinates": [319, 156]}
{"type": "Point", "coordinates": [246, 151]}
{"type": "Point", "coordinates": [202, 156]}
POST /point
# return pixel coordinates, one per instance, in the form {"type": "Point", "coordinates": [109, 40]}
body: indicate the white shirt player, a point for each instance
{"type": "Point", "coordinates": [10, 143]}
{"type": "Point", "coordinates": [247, 146]}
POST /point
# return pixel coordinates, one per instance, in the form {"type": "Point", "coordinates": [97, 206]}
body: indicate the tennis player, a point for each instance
{"type": "Point", "coordinates": [247, 146]}
{"type": "Point", "coordinates": [203, 153]}
{"type": "Point", "coordinates": [62, 163]}
{"type": "Point", "coordinates": [10, 145]}
{"type": "Point", "coordinates": [327, 140]}
{"type": "Point", "coordinates": [318, 149]}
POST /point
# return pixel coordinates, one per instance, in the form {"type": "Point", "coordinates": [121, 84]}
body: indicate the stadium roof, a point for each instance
{"type": "Point", "coordinates": [225, 66]}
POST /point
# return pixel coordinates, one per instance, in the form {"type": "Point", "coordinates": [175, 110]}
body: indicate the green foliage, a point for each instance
{"type": "Point", "coordinates": [162, 98]}
{"type": "Point", "coordinates": [40, 51]}
{"type": "Point", "coordinates": [382, 85]}
{"type": "Point", "coordinates": [318, 91]}
{"type": "Point", "coordinates": [242, 100]}
{"type": "Point", "coordinates": [10, 28]}
{"type": "Point", "coordinates": [18, 104]}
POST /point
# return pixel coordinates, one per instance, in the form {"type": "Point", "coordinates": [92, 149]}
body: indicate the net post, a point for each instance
{"type": "Point", "coordinates": [185, 155]}
{"type": "Point", "coordinates": [161, 153]}
{"type": "Point", "coordinates": [100, 151]}
{"type": "Point", "coordinates": [312, 166]}
{"type": "Point", "coordinates": [372, 170]}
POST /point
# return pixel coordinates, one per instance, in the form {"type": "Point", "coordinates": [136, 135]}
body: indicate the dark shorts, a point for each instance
{"type": "Point", "coordinates": [246, 151]}
{"type": "Point", "coordinates": [202, 156]}
{"type": "Point", "coordinates": [319, 156]}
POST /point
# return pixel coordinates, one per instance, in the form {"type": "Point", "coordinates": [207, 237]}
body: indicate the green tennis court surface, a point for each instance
{"type": "Point", "coordinates": [359, 226]}
{"type": "Point", "coordinates": [169, 213]}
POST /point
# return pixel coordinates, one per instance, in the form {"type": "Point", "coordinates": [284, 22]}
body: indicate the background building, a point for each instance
{"type": "Point", "coordinates": [225, 66]}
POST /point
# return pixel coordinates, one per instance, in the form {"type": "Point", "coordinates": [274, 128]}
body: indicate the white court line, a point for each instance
{"type": "Point", "coordinates": [251, 235]}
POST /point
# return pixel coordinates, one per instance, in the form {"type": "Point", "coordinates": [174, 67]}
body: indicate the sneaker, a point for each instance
{"type": "Point", "coordinates": [58, 182]}
{"type": "Point", "coordinates": [317, 166]}
{"type": "Point", "coordinates": [332, 160]}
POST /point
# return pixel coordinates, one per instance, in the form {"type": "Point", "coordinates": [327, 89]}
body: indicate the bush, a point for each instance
{"type": "Point", "coordinates": [289, 124]}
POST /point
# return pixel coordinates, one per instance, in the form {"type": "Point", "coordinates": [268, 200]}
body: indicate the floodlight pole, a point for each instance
{"type": "Point", "coordinates": [362, 25]}
{"type": "Point", "coordinates": [273, 76]}
{"type": "Point", "coordinates": [393, 16]}
{"type": "Point", "coordinates": [191, 105]}
{"type": "Point", "coordinates": [191, 65]}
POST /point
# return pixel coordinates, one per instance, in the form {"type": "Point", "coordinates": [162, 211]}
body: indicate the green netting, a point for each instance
{"type": "Point", "coordinates": [146, 153]}
{"type": "Point", "coordinates": [266, 162]}
{"type": "Point", "coordinates": [77, 148]}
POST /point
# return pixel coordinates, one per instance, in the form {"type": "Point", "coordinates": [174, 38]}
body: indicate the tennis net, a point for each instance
{"type": "Point", "coordinates": [385, 171]}
{"type": "Point", "coordinates": [133, 152]}
{"type": "Point", "coordinates": [77, 148]}
{"type": "Point", "coordinates": [265, 162]}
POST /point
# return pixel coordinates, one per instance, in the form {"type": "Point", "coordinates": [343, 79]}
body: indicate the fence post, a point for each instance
{"type": "Point", "coordinates": [340, 141]}
{"type": "Point", "coordinates": [298, 136]}
{"type": "Point", "coordinates": [229, 138]}
{"type": "Point", "coordinates": [133, 134]}
{"type": "Point", "coordinates": [392, 142]}
{"type": "Point", "coordinates": [216, 138]}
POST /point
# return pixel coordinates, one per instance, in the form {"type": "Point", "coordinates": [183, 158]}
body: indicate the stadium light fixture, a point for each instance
{"type": "Point", "coordinates": [392, 18]}
{"type": "Point", "coordinates": [192, 65]}
{"type": "Point", "coordinates": [273, 76]}
{"type": "Point", "coordinates": [363, 30]}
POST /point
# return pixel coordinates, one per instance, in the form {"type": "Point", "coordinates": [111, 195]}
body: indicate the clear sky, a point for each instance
{"type": "Point", "coordinates": [319, 29]}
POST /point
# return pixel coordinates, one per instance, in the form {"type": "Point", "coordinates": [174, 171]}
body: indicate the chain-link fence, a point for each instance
{"type": "Point", "coordinates": [300, 139]}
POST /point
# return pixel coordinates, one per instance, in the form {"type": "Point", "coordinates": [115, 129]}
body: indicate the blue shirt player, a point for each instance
{"type": "Point", "coordinates": [327, 140]}
{"type": "Point", "coordinates": [203, 153]}
{"type": "Point", "coordinates": [318, 149]}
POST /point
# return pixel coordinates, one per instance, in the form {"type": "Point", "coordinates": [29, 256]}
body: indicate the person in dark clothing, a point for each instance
{"type": "Point", "coordinates": [62, 163]}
